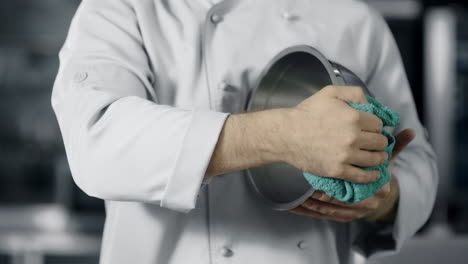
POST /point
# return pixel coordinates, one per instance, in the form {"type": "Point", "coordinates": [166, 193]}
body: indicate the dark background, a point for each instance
{"type": "Point", "coordinates": [38, 199]}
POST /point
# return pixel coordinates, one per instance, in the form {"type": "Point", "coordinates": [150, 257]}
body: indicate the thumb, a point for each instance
{"type": "Point", "coordinates": [348, 94]}
{"type": "Point", "coordinates": [401, 141]}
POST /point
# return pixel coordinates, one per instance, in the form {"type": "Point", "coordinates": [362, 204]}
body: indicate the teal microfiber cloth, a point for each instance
{"type": "Point", "coordinates": [355, 192]}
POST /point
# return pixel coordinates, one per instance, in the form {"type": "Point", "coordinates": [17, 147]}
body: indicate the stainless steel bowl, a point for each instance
{"type": "Point", "coordinates": [293, 75]}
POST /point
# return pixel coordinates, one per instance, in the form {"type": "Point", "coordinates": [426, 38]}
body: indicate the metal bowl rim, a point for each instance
{"type": "Point", "coordinates": [298, 48]}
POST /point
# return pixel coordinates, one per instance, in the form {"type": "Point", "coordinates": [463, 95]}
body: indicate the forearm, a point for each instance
{"type": "Point", "coordinates": [289, 135]}
{"type": "Point", "coordinates": [248, 140]}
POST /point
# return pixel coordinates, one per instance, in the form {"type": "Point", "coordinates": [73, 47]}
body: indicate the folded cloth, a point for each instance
{"type": "Point", "coordinates": [355, 192]}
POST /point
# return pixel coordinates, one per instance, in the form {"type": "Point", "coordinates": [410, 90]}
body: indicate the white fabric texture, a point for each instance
{"type": "Point", "coordinates": [142, 93]}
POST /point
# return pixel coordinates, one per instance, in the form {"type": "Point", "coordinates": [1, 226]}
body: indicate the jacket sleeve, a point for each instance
{"type": "Point", "coordinates": [121, 144]}
{"type": "Point", "coordinates": [415, 167]}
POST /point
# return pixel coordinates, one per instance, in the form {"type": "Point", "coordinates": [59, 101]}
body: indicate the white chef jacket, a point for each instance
{"type": "Point", "coordinates": [143, 90]}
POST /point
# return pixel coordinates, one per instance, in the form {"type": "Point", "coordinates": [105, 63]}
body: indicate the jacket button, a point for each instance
{"type": "Point", "coordinates": [227, 87]}
{"type": "Point", "coordinates": [289, 16]}
{"type": "Point", "coordinates": [215, 18]}
{"type": "Point", "coordinates": [223, 85]}
{"type": "Point", "coordinates": [227, 252]}
{"type": "Point", "coordinates": [302, 244]}
{"type": "Point", "coordinates": [80, 77]}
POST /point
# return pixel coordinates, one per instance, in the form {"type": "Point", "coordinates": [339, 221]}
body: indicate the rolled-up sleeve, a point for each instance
{"type": "Point", "coordinates": [415, 167]}
{"type": "Point", "coordinates": [120, 143]}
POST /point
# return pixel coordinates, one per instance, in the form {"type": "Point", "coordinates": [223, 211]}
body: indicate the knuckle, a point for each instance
{"type": "Point", "coordinates": [308, 204]}
{"type": "Point", "coordinates": [323, 197]}
{"type": "Point", "coordinates": [379, 124]}
{"type": "Point", "coordinates": [330, 89]}
{"type": "Point", "coordinates": [367, 206]}
{"type": "Point", "coordinates": [317, 207]}
{"type": "Point", "coordinates": [329, 199]}
{"type": "Point", "coordinates": [318, 195]}
{"type": "Point", "coordinates": [385, 191]}
{"type": "Point", "coordinates": [374, 159]}
{"type": "Point", "coordinates": [352, 176]}
{"type": "Point", "coordinates": [367, 176]}
{"type": "Point", "coordinates": [380, 158]}
{"type": "Point", "coordinates": [315, 195]}
{"type": "Point", "coordinates": [349, 178]}
{"type": "Point", "coordinates": [358, 90]}
{"type": "Point", "coordinates": [383, 141]}
{"type": "Point", "coordinates": [344, 156]}
{"type": "Point", "coordinates": [372, 205]}
{"type": "Point", "coordinates": [351, 138]}
{"type": "Point", "coordinates": [356, 178]}
{"type": "Point", "coordinates": [374, 173]}
{"type": "Point", "coordinates": [337, 171]}
{"type": "Point", "coordinates": [353, 116]}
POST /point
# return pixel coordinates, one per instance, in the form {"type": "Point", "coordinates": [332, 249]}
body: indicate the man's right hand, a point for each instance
{"type": "Point", "coordinates": [323, 135]}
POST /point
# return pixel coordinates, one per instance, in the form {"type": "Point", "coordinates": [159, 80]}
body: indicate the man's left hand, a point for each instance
{"type": "Point", "coordinates": [380, 207]}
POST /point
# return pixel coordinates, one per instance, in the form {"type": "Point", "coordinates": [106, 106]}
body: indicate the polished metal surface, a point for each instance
{"type": "Point", "coordinates": [293, 75]}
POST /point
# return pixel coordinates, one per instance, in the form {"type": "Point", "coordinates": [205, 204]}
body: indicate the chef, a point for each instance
{"type": "Point", "coordinates": [149, 97]}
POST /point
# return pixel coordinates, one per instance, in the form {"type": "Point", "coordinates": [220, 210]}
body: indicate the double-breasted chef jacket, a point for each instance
{"type": "Point", "coordinates": [143, 90]}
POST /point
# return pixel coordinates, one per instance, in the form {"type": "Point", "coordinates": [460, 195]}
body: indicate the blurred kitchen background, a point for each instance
{"type": "Point", "coordinates": [45, 218]}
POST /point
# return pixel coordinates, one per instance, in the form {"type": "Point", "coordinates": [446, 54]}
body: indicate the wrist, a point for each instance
{"type": "Point", "coordinates": [261, 133]}
{"type": "Point", "coordinates": [279, 135]}
{"type": "Point", "coordinates": [249, 140]}
{"type": "Point", "coordinates": [272, 143]}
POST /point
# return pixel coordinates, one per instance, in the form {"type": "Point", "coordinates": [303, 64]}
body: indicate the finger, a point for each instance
{"type": "Point", "coordinates": [366, 205]}
{"type": "Point", "coordinates": [370, 122]}
{"type": "Point", "coordinates": [306, 212]}
{"type": "Point", "coordinates": [321, 196]}
{"type": "Point", "coordinates": [401, 141]}
{"type": "Point", "coordinates": [332, 210]}
{"type": "Point", "coordinates": [366, 158]}
{"type": "Point", "coordinates": [384, 191]}
{"type": "Point", "coordinates": [358, 175]}
{"type": "Point", "coordinates": [371, 141]}
{"type": "Point", "coordinates": [348, 94]}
